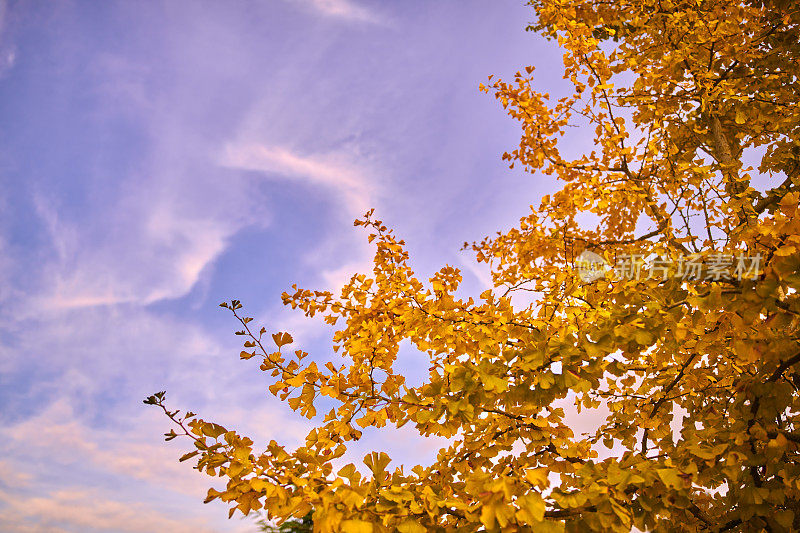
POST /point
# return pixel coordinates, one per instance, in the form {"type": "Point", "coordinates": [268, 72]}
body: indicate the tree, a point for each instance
{"type": "Point", "coordinates": [684, 340]}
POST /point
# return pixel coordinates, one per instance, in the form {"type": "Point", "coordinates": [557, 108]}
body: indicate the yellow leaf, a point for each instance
{"type": "Point", "coordinates": [282, 339]}
{"type": "Point", "coordinates": [537, 476]}
{"type": "Point", "coordinates": [409, 525]}
{"type": "Point", "coordinates": [488, 515]}
{"type": "Point", "coordinates": [533, 504]}
{"type": "Point", "coordinates": [670, 477]}
{"type": "Point", "coordinates": [213, 430]}
{"type": "Point", "coordinates": [355, 526]}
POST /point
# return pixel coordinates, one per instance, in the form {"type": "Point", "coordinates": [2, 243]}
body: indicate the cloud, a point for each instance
{"type": "Point", "coordinates": [333, 171]}
{"type": "Point", "coordinates": [83, 430]}
{"type": "Point", "coordinates": [335, 279]}
{"type": "Point", "coordinates": [143, 249]}
{"type": "Point", "coordinates": [342, 9]}
{"type": "Point", "coordinates": [152, 230]}
{"type": "Point", "coordinates": [8, 51]}
{"type": "Point", "coordinates": [86, 509]}
{"type": "Point", "coordinates": [158, 242]}
{"type": "Point", "coordinates": [11, 476]}
{"type": "Point", "coordinates": [55, 442]}
{"type": "Point", "coordinates": [480, 271]}
{"type": "Point", "coordinates": [112, 275]}
{"type": "Point", "coordinates": [134, 475]}
{"type": "Point", "coordinates": [7, 289]}
{"type": "Point", "coordinates": [56, 437]}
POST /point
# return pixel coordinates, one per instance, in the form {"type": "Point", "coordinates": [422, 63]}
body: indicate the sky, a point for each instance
{"type": "Point", "coordinates": [160, 157]}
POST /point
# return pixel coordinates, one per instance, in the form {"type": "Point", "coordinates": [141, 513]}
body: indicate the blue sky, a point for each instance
{"type": "Point", "coordinates": [157, 158]}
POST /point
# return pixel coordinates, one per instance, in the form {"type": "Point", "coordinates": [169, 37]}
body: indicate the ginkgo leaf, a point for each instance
{"type": "Point", "coordinates": [282, 339]}
{"type": "Point", "coordinates": [410, 525]}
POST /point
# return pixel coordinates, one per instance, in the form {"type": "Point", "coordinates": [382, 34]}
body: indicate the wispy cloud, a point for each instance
{"type": "Point", "coordinates": [8, 51]}
{"type": "Point", "coordinates": [60, 437]}
{"type": "Point", "coordinates": [11, 475]}
{"type": "Point", "coordinates": [56, 444]}
{"type": "Point", "coordinates": [344, 9]}
{"type": "Point", "coordinates": [334, 171]}
{"type": "Point", "coordinates": [136, 350]}
{"type": "Point", "coordinates": [152, 245]}
{"type": "Point", "coordinates": [86, 509]}
{"type": "Point", "coordinates": [164, 263]}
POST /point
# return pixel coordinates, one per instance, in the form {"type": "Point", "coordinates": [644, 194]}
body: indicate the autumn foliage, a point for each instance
{"type": "Point", "coordinates": [693, 105]}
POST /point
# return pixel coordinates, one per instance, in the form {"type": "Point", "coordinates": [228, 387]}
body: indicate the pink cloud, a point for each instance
{"type": "Point", "coordinates": [88, 510]}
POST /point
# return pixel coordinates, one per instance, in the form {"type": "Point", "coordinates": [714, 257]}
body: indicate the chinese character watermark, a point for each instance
{"type": "Point", "coordinates": [715, 267]}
